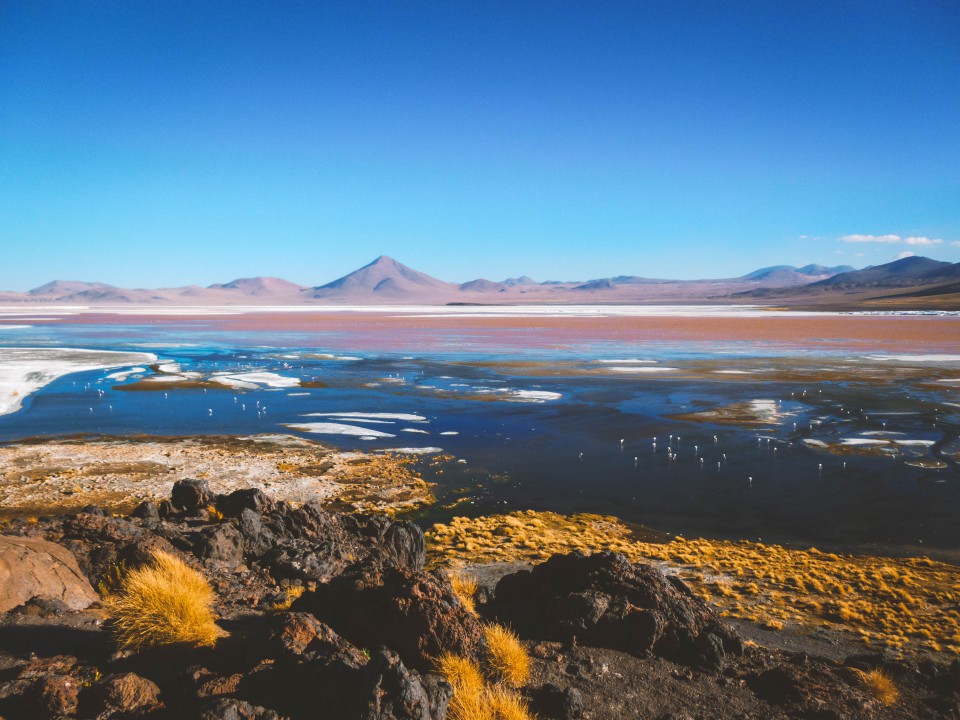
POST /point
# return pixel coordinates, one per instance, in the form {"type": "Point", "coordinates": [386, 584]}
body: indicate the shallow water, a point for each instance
{"type": "Point", "coordinates": [539, 424]}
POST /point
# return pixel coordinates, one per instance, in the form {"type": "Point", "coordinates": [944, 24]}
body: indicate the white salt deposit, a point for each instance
{"type": "Point", "coordinates": [26, 370]}
{"type": "Point", "coordinates": [405, 417]}
{"type": "Point", "coordinates": [414, 430]}
{"type": "Point", "coordinates": [122, 375]}
{"type": "Point", "coordinates": [338, 429]}
{"type": "Point", "coordinates": [449, 432]}
{"type": "Point", "coordinates": [268, 379]}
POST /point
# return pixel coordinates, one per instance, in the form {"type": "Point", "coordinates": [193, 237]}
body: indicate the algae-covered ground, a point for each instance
{"type": "Point", "coordinates": [902, 604]}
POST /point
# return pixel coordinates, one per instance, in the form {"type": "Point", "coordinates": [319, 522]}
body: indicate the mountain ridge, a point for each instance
{"type": "Point", "coordinates": [387, 281]}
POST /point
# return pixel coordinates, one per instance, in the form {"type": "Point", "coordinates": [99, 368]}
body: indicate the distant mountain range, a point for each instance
{"type": "Point", "coordinates": [386, 281]}
{"type": "Point", "coordinates": [893, 283]}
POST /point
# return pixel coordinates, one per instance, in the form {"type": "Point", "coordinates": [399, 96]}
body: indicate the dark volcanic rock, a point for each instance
{"type": "Point", "coordinates": [125, 693]}
{"type": "Point", "coordinates": [221, 544]}
{"type": "Point", "coordinates": [417, 614]}
{"type": "Point", "coordinates": [309, 543]}
{"type": "Point", "coordinates": [395, 693]}
{"type": "Point", "coordinates": [102, 544]}
{"type": "Point", "coordinates": [191, 496]}
{"type": "Point", "coordinates": [301, 636]}
{"type": "Point", "coordinates": [52, 696]}
{"type": "Point", "coordinates": [316, 668]}
{"type": "Point", "coordinates": [557, 703]}
{"type": "Point", "coordinates": [148, 511]}
{"type": "Point", "coordinates": [232, 709]}
{"type": "Point", "coordinates": [249, 499]}
{"type": "Point", "coordinates": [606, 601]}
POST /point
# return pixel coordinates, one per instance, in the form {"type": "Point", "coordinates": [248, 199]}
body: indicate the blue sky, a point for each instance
{"type": "Point", "coordinates": [159, 143]}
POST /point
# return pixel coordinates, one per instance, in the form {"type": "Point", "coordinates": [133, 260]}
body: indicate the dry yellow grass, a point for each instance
{"type": "Point", "coordinates": [465, 588]}
{"type": "Point", "coordinates": [881, 686]}
{"type": "Point", "coordinates": [468, 686]}
{"type": "Point", "coordinates": [504, 704]}
{"type": "Point", "coordinates": [163, 603]}
{"type": "Point", "coordinates": [507, 658]}
{"type": "Point", "coordinates": [909, 604]}
{"type": "Point", "coordinates": [290, 594]}
{"type": "Point", "coordinates": [476, 699]}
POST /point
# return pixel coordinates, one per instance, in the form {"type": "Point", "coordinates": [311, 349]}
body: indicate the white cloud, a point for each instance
{"type": "Point", "coordinates": [904, 254]}
{"type": "Point", "coordinates": [871, 238]}
{"type": "Point", "coordinates": [956, 243]}
{"type": "Point", "coordinates": [891, 239]}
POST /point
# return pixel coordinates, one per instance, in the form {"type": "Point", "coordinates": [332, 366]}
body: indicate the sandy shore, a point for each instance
{"type": "Point", "coordinates": [26, 370]}
{"type": "Point", "coordinates": [53, 476]}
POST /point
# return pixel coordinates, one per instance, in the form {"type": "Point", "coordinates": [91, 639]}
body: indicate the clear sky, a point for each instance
{"type": "Point", "coordinates": [155, 143]}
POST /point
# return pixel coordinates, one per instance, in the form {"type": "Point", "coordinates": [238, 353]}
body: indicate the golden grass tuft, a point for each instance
{"type": "Point", "coordinates": [504, 704]}
{"type": "Point", "coordinates": [468, 686]}
{"type": "Point", "coordinates": [475, 699]}
{"type": "Point", "coordinates": [465, 588]}
{"type": "Point", "coordinates": [163, 603]}
{"type": "Point", "coordinates": [507, 658]}
{"type": "Point", "coordinates": [879, 684]}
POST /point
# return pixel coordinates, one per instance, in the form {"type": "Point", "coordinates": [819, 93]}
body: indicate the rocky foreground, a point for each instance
{"type": "Point", "coordinates": [329, 615]}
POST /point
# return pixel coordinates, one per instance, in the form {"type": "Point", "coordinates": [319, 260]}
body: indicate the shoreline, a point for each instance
{"type": "Point", "coordinates": [24, 370]}
{"type": "Point", "coordinates": [56, 476]}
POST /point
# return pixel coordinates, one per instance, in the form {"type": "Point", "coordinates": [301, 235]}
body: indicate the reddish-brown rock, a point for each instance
{"type": "Point", "coordinates": [34, 568]}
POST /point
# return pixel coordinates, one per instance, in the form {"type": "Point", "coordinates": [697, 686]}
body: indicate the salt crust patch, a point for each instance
{"type": "Point", "coordinates": [338, 429]}
{"type": "Point", "coordinates": [406, 417]}
{"type": "Point", "coordinates": [268, 379]}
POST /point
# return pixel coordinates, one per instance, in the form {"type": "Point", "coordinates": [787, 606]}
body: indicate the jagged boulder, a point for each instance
{"type": "Point", "coordinates": [415, 613]}
{"type": "Point", "coordinates": [309, 543]}
{"type": "Point", "coordinates": [191, 496]}
{"type": "Point", "coordinates": [233, 709]}
{"type": "Point", "coordinates": [312, 667]}
{"type": "Point", "coordinates": [103, 544]}
{"type": "Point", "coordinates": [605, 600]}
{"type": "Point", "coordinates": [36, 569]}
{"type": "Point", "coordinates": [121, 693]}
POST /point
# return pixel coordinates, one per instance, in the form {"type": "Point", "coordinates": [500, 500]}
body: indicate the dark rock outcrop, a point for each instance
{"type": "Point", "coordinates": [417, 614]}
{"type": "Point", "coordinates": [309, 543]}
{"type": "Point", "coordinates": [606, 601]}
{"type": "Point", "coordinates": [314, 667]}
{"type": "Point", "coordinates": [190, 496]}
{"type": "Point", "coordinates": [233, 709]}
{"type": "Point", "coordinates": [126, 693]}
